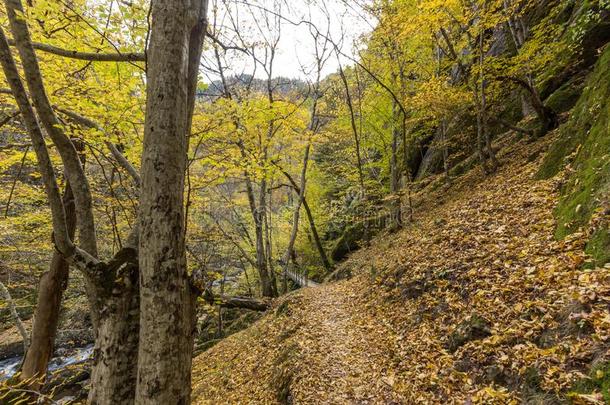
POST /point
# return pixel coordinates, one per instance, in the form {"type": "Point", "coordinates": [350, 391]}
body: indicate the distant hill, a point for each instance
{"type": "Point", "coordinates": [282, 86]}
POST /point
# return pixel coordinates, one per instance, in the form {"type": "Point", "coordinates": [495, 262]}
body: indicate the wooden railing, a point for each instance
{"type": "Point", "coordinates": [300, 278]}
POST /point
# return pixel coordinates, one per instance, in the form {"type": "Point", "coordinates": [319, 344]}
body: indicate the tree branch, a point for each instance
{"type": "Point", "coordinates": [87, 56]}
{"type": "Point", "coordinates": [70, 158]}
{"type": "Point", "coordinates": [513, 127]}
{"type": "Point", "coordinates": [118, 156]}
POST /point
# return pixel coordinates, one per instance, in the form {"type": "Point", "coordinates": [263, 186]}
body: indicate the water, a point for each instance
{"type": "Point", "coordinates": [9, 367]}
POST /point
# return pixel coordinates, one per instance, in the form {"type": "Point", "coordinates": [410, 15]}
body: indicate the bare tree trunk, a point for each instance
{"type": "Point", "coordinates": [350, 107]}
{"type": "Point", "coordinates": [312, 225]}
{"type": "Point", "coordinates": [52, 285]}
{"type": "Point", "coordinates": [296, 214]}
{"type": "Point", "coordinates": [483, 138]}
{"type": "Point", "coordinates": [261, 260]}
{"type": "Point", "coordinates": [167, 301]}
{"type": "Point", "coordinates": [395, 211]}
{"type": "Point", "coordinates": [269, 243]}
{"type": "Point", "coordinates": [6, 295]}
{"type": "Point", "coordinates": [480, 135]}
{"type": "Point", "coordinates": [445, 148]}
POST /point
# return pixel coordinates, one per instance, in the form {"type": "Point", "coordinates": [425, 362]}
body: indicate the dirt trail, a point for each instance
{"type": "Point", "coordinates": [339, 358]}
{"type": "Point", "coordinates": [320, 347]}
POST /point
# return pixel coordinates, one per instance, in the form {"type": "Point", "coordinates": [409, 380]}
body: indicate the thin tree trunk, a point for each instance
{"type": "Point", "coordinates": [52, 285]}
{"type": "Point", "coordinates": [312, 225]}
{"type": "Point", "coordinates": [395, 211]}
{"type": "Point", "coordinates": [350, 107]}
{"type": "Point", "coordinates": [485, 129]}
{"type": "Point", "coordinates": [445, 149]}
{"type": "Point", "coordinates": [261, 260]}
{"type": "Point", "coordinates": [269, 244]}
{"type": "Point", "coordinates": [6, 295]}
{"type": "Point", "coordinates": [483, 138]}
{"type": "Point", "coordinates": [296, 213]}
{"type": "Point", "coordinates": [167, 301]}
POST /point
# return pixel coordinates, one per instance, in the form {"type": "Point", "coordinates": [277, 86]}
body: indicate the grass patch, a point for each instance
{"type": "Point", "coordinates": [597, 382]}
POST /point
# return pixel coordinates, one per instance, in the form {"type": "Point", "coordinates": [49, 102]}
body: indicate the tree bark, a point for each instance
{"type": "Point", "coordinates": [113, 378]}
{"type": "Point", "coordinates": [167, 300]}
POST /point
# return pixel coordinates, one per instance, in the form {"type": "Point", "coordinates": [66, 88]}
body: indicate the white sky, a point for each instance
{"type": "Point", "coordinates": [296, 46]}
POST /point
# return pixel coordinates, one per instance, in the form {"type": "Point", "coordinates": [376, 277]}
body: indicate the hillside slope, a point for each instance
{"type": "Point", "coordinates": [475, 301]}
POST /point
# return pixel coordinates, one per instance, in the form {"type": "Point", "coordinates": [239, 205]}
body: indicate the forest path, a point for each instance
{"type": "Point", "coordinates": [317, 346]}
{"type": "Point", "coordinates": [339, 358]}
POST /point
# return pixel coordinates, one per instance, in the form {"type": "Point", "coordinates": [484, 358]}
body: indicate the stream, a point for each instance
{"type": "Point", "coordinates": [9, 366]}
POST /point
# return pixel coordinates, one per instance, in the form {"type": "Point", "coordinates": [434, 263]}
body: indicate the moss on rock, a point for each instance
{"type": "Point", "coordinates": [584, 147]}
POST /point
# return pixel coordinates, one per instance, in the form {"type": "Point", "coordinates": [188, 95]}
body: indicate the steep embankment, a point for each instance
{"type": "Point", "coordinates": [583, 151]}
{"type": "Point", "coordinates": [474, 301]}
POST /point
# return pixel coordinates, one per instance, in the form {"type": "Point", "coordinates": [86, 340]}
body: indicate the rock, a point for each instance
{"type": "Point", "coordinates": [416, 289]}
{"type": "Point", "coordinates": [440, 222]}
{"type": "Point", "coordinates": [11, 344]}
{"type": "Point", "coordinates": [343, 272]}
{"type": "Point", "coordinates": [348, 242]}
{"type": "Point", "coordinates": [472, 328]}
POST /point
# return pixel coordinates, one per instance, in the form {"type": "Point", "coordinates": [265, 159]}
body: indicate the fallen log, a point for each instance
{"type": "Point", "coordinates": [224, 301]}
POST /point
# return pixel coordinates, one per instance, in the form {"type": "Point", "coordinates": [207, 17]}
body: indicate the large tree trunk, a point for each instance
{"type": "Point", "coordinates": [166, 298]}
{"type": "Point", "coordinates": [52, 285]}
{"type": "Point", "coordinates": [113, 380]}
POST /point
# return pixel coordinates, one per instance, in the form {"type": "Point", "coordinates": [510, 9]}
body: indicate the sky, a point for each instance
{"type": "Point", "coordinates": [257, 21]}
